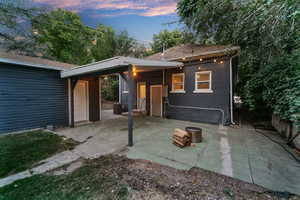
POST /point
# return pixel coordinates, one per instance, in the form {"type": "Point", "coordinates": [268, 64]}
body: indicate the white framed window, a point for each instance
{"type": "Point", "coordinates": [203, 82]}
{"type": "Point", "coordinates": [178, 83]}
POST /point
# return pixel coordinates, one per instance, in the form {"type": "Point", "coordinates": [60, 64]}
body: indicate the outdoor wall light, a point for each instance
{"type": "Point", "coordinates": [221, 62]}
{"type": "Point", "coordinates": [215, 60]}
{"type": "Point", "coordinates": [201, 59]}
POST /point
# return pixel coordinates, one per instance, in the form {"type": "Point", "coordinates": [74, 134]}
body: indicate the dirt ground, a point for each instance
{"type": "Point", "coordinates": [147, 180]}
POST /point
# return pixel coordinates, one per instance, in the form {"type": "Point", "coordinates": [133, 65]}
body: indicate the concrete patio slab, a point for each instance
{"type": "Point", "coordinates": [237, 152]}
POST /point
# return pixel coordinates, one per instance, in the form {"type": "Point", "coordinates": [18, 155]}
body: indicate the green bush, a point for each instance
{"type": "Point", "coordinates": [278, 87]}
{"type": "Point", "coordinates": [110, 88]}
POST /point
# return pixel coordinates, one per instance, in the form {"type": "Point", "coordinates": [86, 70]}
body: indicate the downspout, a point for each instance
{"type": "Point", "coordinates": [200, 108]}
{"type": "Point", "coordinates": [231, 91]}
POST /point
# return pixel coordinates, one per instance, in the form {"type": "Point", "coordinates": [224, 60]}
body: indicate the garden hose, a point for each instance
{"type": "Point", "coordinates": [280, 144]}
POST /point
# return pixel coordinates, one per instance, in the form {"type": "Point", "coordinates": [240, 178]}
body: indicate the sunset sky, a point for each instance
{"type": "Point", "coordinates": [142, 18]}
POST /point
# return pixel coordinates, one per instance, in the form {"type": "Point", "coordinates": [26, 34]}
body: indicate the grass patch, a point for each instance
{"type": "Point", "coordinates": [19, 152]}
{"type": "Point", "coordinates": [93, 180]}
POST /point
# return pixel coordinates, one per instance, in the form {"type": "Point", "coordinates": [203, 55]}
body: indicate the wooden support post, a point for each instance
{"type": "Point", "coordinates": [73, 84]}
{"type": "Point", "coordinates": [130, 102]}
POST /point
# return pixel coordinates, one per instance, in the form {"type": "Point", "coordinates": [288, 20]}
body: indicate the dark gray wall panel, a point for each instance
{"type": "Point", "coordinates": [94, 109]}
{"type": "Point", "coordinates": [31, 98]}
{"type": "Point", "coordinates": [207, 116]}
{"type": "Point", "coordinates": [219, 99]}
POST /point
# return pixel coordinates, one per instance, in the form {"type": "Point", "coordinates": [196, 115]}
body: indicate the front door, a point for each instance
{"type": "Point", "coordinates": [81, 101]}
{"type": "Point", "coordinates": [156, 100]}
{"type": "Point", "coordinates": [141, 96]}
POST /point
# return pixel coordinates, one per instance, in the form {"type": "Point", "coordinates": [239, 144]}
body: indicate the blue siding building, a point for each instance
{"type": "Point", "coordinates": [31, 96]}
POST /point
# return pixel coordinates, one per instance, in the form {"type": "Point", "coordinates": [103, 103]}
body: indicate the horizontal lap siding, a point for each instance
{"type": "Point", "coordinates": [150, 78]}
{"type": "Point", "coordinates": [31, 98]}
{"type": "Point", "coordinates": [219, 99]}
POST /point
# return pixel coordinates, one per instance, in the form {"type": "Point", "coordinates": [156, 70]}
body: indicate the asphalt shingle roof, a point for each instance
{"type": "Point", "coordinates": [33, 61]}
{"type": "Point", "coordinates": [190, 50]}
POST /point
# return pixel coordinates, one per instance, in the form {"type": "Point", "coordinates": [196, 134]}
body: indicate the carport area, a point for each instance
{"type": "Point", "coordinates": [237, 152]}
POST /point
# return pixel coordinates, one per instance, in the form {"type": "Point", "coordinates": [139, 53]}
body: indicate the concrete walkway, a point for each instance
{"type": "Point", "coordinates": [92, 146]}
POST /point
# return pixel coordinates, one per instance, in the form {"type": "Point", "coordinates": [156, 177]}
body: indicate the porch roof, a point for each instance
{"type": "Point", "coordinates": [118, 63]}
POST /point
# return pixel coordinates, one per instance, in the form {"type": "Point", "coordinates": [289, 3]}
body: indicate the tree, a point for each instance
{"type": "Point", "coordinates": [166, 39]}
{"type": "Point", "coordinates": [141, 51]}
{"type": "Point", "coordinates": [15, 27]}
{"type": "Point", "coordinates": [264, 29]}
{"type": "Point", "coordinates": [124, 44]}
{"type": "Point", "coordinates": [104, 43]}
{"type": "Point", "coordinates": [64, 35]}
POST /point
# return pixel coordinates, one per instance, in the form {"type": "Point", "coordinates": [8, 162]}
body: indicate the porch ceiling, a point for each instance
{"type": "Point", "coordinates": [118, 64]}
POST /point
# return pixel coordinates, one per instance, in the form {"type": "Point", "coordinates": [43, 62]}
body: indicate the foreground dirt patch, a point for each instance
{"type": "Point", "coordinates": [148, 180]}
{"type": "Point", "coordinates": [117, 178]}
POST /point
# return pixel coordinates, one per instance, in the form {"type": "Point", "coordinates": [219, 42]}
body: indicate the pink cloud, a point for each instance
{"type": "Point", "coordinates": [161, 10]}
{"type": "Point", "coordinates": [137, 7]}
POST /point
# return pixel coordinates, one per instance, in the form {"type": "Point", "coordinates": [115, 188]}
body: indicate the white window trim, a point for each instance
{"type": "Point", "coordinates": [178, 91]}
{"type": "Point", "coordinates": [210, 83]}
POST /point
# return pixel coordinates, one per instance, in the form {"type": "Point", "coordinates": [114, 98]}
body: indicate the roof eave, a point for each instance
{"type": "Point", "coordinates": [9, 61]}
{"type": "Point", "coordinates": [229, 51]}
{"type": "Point", "coordinates": [117, 63]}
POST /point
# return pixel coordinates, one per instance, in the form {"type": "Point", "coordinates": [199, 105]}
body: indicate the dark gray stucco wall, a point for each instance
{"type": "Point", "coordinates": [31, 98]}
{"type": "Point", "coordinates": [219, 99]}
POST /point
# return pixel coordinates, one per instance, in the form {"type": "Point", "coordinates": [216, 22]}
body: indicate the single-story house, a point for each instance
{"type": "Point", "coordinates": [201, 90]}
{"type": "Point", "coordinates": [187, 82]}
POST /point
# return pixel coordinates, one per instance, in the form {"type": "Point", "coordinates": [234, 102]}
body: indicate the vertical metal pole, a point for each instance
{"type": "Point", "coordinates": [130, 102]}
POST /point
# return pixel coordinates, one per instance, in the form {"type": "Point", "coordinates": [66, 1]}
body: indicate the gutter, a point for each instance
{"type": "Point", "coordinates": [200, 108]}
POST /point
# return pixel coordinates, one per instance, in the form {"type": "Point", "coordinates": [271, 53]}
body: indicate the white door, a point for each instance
{"type": "Point", "coordinates": [81, 101]}
{"type": "Point", "coordinates": [156, 100]}
{"type": "Point", "coordinates": [141, 96]}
